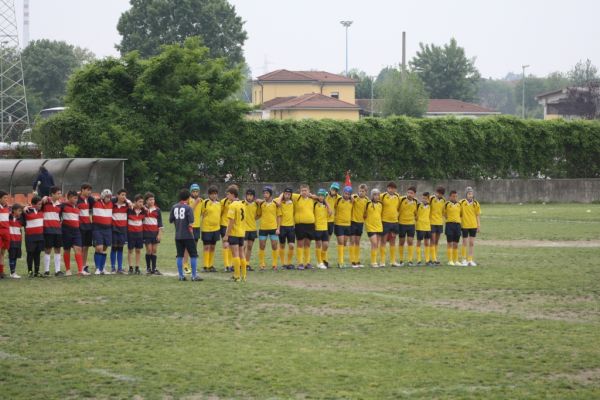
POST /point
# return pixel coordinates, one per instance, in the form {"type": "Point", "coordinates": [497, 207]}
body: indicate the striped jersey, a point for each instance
{"type": "Point", "coordinates": [4, 223]}
{"type": "Point", "coordinates": [135, 223]}
{"type": "Point", "coordinates": [102, 214]}
{"type": "Point", "coordinates": [119, 217]}
{"type": "Point", "coordinates": [52, 224]}
{"type": "Point", "coordinates": [70, 215]}
{"type": "Point", "coordinates": [34, 225]}
{"type": "Point", "coordinates": [152, 221]}
{"type": "Point", "coordinates": [15, 225]}
{"type": "Point", "coordinates": [85, 205]}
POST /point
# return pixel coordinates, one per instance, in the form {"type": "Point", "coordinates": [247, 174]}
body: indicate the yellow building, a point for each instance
{"type": "Point", "coordinates": [284, 94]}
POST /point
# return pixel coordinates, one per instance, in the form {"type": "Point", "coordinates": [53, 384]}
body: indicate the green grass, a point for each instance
{"type": "Point", "coordinates": [526, 324]}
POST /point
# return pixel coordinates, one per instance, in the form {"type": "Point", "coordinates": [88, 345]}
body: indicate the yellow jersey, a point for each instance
{"type": "Point", "coordinates": [423, 217]}
{"type": "Point", "coordinates": [358, 208]}
{"type": "Point", "coordinates": [390, 204]}
{"type": "Point", "coordinates": [373, 221]}
{"type": "Point", "coordinates": [268, 215]}
{"type": "Point", "coordinates": [408, 211]}
{"type": "Point", "coordinates": [331, 201]}
{"type": "Point", "coordinates": [287, 213]}
{"type": "Point", "coordinates": [469, 213]}
{"type": "Point", "coordinates": [197, 208]}
{"type": "Point", "coordinates": [343, 212]}
{"type": "Point", "coordinates": [437, 210]}
{"type": "Point", "coordinates": [321, 216]}
{"type": "Point", "coordinates": [452, 212]}
{"type": "Point", "coordinates": [304, 209]}
{"type": "Point", "coordinates": [252, 212]}
{"type": "Point", "coordinates": [235, 212]}
{"type": "Point", "coordinates": [211, 215]}
{"type": "Point", "coordinates": [225, 202]}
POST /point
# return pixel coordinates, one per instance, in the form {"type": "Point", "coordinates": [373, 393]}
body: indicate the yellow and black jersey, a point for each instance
{"type": "Point", "coordinates": [470, 210]}
{"type": "Point", "coordinates": [437, 210]}
{"type": "Point", "coordinates": [373, 221]}
{"type": "Point", "coordinates": [358, 208]}
{"type": "Point", "coordinates": [452, 212]}
{"type": "Point", "coordinates": [225, 202]}
{"type": "Point", "coordinates": [268, 215]}
{"type": "Point", "coordinates": [391, 205]}
{"type": "Point", "coordinates": [423, 217]}
{"type": "Point", "coordinates": [236, 212]}
{"type": "Point", "coordinates": [343, 212]}
{"type": "Point", "coordinates": [287, 213]}
{"type": "Point", "coordinates": [304, 209]}
{"type": "Point", "coordinates": [252, 212]}
{"type": "Point", "coordinates": [321, 216]}
{"type": "Point", "coordinates": [408, 211]}
{"type": "Point", "coordinates": [211, 215]}
{"type": "Point", "coordinates": [196, 205]}
{"type": "Point", "coordinates": [331, 201]}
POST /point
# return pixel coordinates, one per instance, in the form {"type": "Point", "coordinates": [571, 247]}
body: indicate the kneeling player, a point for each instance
{"type": "Point", "coordinates": [182, 216]}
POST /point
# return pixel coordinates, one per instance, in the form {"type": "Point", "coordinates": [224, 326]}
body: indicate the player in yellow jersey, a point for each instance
{"type": "Point", "coordinates": [390, 202]}
{"type": "Point", "coordinates": [374, 225]}
{"type": "Point", "coordinates": [357, 224]}
{"type": "Point", "coordinates": [195, 201]}
{"type": "Point", "coordinates": [210, 227]}
{"type": "Point", "coordinates": [287, 232]}
{"type": "Point", "coordinates": [407, 218]}
{"type": "Point", "coordinates": [269, 228]}
{"type": "Point", "coordinates": [424, 229]}
{"type": "Point", "coordinates": [343, 223]}
{"type": "Point", "coordinates": [235, 232]}
{"type": "Point", "coordinates": [304, 220]}
{"type": "Point", "coordinates": [452, 216]}
{"type": "Point", "coordinates": [437, 203]}
{"type": "Point", "coordinates": [331, 199]}
{"type": "Point", "coordinates": [322, 213]}
{"type": "Point", "coordinates": [227, 257]}
{"type": "Point", "coordinates": [470, 225]}
{"type": "Point", "coordinates": [252, 213]}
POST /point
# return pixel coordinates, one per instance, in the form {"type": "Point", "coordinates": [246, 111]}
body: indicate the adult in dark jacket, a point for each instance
{"type": "Point", "coordinates": [43, 182]}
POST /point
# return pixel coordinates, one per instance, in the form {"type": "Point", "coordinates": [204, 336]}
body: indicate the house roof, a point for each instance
{"type": "Point", "coordinates": [452, 106]}
{"type": "Point", "coordinates": [308, 101]}
{"type": "Point", "coordinates": [283, 75]}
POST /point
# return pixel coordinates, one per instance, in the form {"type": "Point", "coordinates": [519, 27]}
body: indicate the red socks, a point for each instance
{"type": "Point", "coordinates": [67, 260]}
{"type": "Point", "coordinates": [79, 260]}
{"type": "Point", "coordinates": [1, 268]}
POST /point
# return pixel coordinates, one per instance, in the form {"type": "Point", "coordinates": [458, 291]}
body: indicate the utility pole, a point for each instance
{"type": "Point", "coordinates": [523, 101]}
{"type": "Point", "coordinates": [403, 52]}
{"type": "Point", "coordinates": [372, 97]}
{"type": "Point", "coordinates": [347, 25]}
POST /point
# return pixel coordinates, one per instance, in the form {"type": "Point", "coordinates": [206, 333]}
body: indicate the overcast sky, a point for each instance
{"type": "Point", "coordinates": [550, 35]}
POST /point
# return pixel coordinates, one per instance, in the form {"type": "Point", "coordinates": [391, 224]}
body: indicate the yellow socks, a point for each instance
{"type": "Point", "coordinates": [449, 253]}
{"type": "Point", "coordinates": [401, 252]}
{"type": "Point", "coordinates": [282, 255]}
{"type": "Point", "coordinates": [455, 255]}
{"type": "Point", "coordinates": [419, 253]}
{"type": "Point", "coordinates": [340, 250]}
{"type": "Point", "coordinates": [382, 254]}
{"type": "Point", "coordinates": [470, 258]}
{"type": "Point", "coordinates": [411, 252]}
{"type": "Point", "coordinates": [236, 267]}
{"type": "Point", "coordinates": [261, 258]}
{"type": "Point", "coordinates": [211, 258]}
{"type": "Point", "coordinates": [300, 255]}
{"type": "Point", "coordinates": [319, 255]}
{"type": "Point", "coordinates": [243, 269]}
{"type": "Point", "coordinates": [463, 251]}
{"type": "Point", "coordinates": [392, 253]}
{"type": "Point", "coordinates": [324, 255]}
{"type": "Point", "coordinates": [307, 255]}
{"type": "Point", "coordinates": [226, 259]}
{"type": "Point", "coordinates": [357, 254]}
{"type": "Point", "coordinates": [373, 256]}
{"type": "Point", "coordinates": [243, 263]}
{"type": "Point", "coordinates": [427, 253]}
{"type": "Point", "coordinates": [290, 255]}
{"type": "Point", "coordinates": [433, 250]}
{"type": "Point", "coordinates": [274, 255]}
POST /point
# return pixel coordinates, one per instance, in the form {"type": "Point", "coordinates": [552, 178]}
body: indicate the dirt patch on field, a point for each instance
{"type": "Point", "coordinates": [583, 377]}
{"type": "Point", "coordinates": [353, 287]}
{"type": "Point", "coordinates": [321, 311]}
{"type": "Point", "coordinates": [541, 243]}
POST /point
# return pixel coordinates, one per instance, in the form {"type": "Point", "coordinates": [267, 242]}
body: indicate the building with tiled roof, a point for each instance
{"type": "Point", "coordinates": [435, 108]}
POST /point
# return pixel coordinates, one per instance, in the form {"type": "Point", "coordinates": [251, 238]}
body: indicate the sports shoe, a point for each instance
{"type": "Point", "coordinates": [249, 268]}
{"type": "Point", "coordinates": [59, 273]}
{"type": "Point", "coordinates": [68, 272]}
{"type": "Point", "coordinates": [451, 263]}
{"type": "Point", "coordinates": [291, 267]}
{"type": "Point", "coordinates": [97, 272]}
{"type": "Point", "coordinates": [472, 264]}
{"type": "Point", "coordinates": [233, 278]}
{"type": "Point", "coordinates": [120, 272]}
{"type": "Point", "coordinates": [182, 278]}
{"type": "Point", "coordinates": [321, 266]}
{"type": "Point", "coordinates": [355, 266]}
{"type": "Point", "coordinates": [360, 265]}
{"type": "Point", "coordinates": [409, 264]}
{"type": "Point", "coordinates": [86, 269]}
{"type": "Point", "coordinates": [212, 269]}
{"type": "Point", "coordinates": [130, 271]}
{"type": "Point", "coordinates": [15, 276]}
{"type": "Point", "coordinates": [464, 263]}
{"type": "Point", "coordinates": [196, 279]}
{"type": "Point", "coordinates": [83, 273]}
{"type": "Point", "coordinates": [395, 264]}
{"type": "Point", "coordinates": [228, 269]}
{"type": "Point", "coordinates": [437, 262]}
{"type": "Point", "coordinates": [301, 267]}
{"type": "Point", "coordinates": [113, 270]}
{"type": "Point", "coordinates": [156, 272]}
{"type": "Point", "coordinates": [137, 271]}
{"type": "Point", "coordinates": [30, 274]}
{"type": "Point", "coordinates": [38, 275]}
{"type": "Point", "coordinates": [326, 263]}
{"type": "Point", "coordinates": [419, 263]}
{"type": "Point", "coordinates": [382, 265]}
{"type": "Point", "coordinates": [46, 273]}
{"type": "Point", "coordinates": [187, 269]}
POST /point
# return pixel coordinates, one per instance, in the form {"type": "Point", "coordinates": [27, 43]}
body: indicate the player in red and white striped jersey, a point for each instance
{"type": "Point", "coordinates": [119, 225]}
{"type": "Point", "coordinates": [52, 230]}
{"type": "Point", "coordinates": [85, 203]}
{"type": "Point", "coordinates": [153, 227]}
{"type": "Point", "coordinates": [70, 213]}
{"type": "Point", "coordinates": [34, 236]}
{"type": "Point", "coordinates": [102, 228]}
{"type": "Point", "coordinates": [4, 229]}
{"type": "Point", "coordinates": [16, 234]}
{"type": "Point", "coordinates": [135, 233]}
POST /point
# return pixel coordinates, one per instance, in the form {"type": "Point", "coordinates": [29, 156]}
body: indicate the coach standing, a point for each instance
{"type": "Point", "coordinates": [43, 182]}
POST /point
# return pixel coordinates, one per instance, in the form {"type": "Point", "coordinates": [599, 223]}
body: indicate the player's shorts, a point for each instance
{"type": "Point", "coordinates": [340, 230]}
{"type": "Point", "coordinates": [305, 231]}
{"type": "Point", "coordinates": [263, 234]}
{"type": "Point", "coordinates": [119, 239]}
{"type": "Point", "coordinates": [71, 237]}
{"type": "Point", "coordinates": [407, 231]}
{"type": "Point", "coordinates": [287, 234]}
{"type": "Point", "coordinates": [151, 238]}
{"type": "Point", "coordinates": [87, 238]}
{"type": "Point", "coordinates": [35, 246]}
{"type": "Point", "coordinates": [453, 232]}
{"type": "Point", "coordinates": [251, 235]}
{"type": "Point", "coordinates": [211, 238]}
{"type": "Point", "coordinates": [223, 231]}
{"type": "Point", "coordinates": [53, 240]}
{"type": "Point", "coordinates": [186, 244]}
{"type": "Point", "coordinates": [196, 232]}
{"type": "Point", "coordinates": [14, 253]}
{"type": "Point", "coordinates": [422, 235]}
{"type": "Point", "coordinates": [370, 234]}
{"type": "Point", "coordinates": [471, 232]}
{"type": "Point", "coordinates": [391, 227]}
{"type": "Point", "coordinates": [356, 228]}
{"type": "Point", "coordinates": [330, 226]}
{"type": "Point", "coordinates": [102, 237]}
{"type": "Point", "coordinates": [437, 229]}
{"type": "Point", "coordinates": [235, 241]}
{"type": "Point", "coordinates": [135, 242]}
{"type": "Point", "coordinates": [321, 236]}
{"type": "Point", "coordinates": [5, 240]}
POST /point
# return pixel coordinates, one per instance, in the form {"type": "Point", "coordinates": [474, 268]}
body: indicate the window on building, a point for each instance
{"type": "Point", "coordinates": [335, 95]}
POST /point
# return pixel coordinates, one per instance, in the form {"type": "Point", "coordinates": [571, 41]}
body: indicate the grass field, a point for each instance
{"type": "Point", "coordinates": [525, 324]}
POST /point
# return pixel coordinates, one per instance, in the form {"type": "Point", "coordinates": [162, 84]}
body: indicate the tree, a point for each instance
{"type": "Point", "coordinates": [533, 86]}
{"type": "Point", "coordinates": [47, 66]}
{"type": "Point", "coordinates": [583, 73]}
{"type": "Point", "coordinates": [446, 71]}
{"type": "Point", "coordinates": [149, 24]}
{"type": "Point", "coordinates": [498, 95]}
{"type": "Point", "coordinates": [363, 83]}
{"type": "Point", "coordinates": [403, 94]}
{"type": "Point", "coordinates": [162, 114]}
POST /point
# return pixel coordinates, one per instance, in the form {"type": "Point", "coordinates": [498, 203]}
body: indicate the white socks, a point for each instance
{"type": "Point", "coordinates": [46, 262]}
{"type": "Point", "coordinates": [57, 263]}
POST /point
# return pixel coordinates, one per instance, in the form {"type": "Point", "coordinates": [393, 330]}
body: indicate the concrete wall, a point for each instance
{"type": "Point", "coordinates": [489, 191]}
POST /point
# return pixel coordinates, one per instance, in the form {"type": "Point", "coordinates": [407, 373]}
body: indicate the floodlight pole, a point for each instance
{"type": "Point", "coordinates": [523, 100]}
{"type": "Point", "coordinates": [347, 25]}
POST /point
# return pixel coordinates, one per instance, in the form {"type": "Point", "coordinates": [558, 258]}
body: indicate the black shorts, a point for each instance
{"type": "Point", "coordinates": [453, 232]}
{"type": "Point", "coordinates": [330, 226]}
{"type": "Point", "coordinates": [437, 229]}
{"type": "Point", "coordinates": [340, 230]}
{"type": "Point", "coordinates": [196, 233]}
{"type": "Point", "coordinates": [71, 237]}
{"type": "Point", "coordinates": [36, 246]}
{"type": "Point", "coordinates": [407, 230]}
{"type": "Point", "coordinates": [211, 238]}
{"type": "Point", "coordinates": [287, 234]}
{"type": "Point", "coordinates": [251, 235]}
{"type": "Point", "coordinates": [87, 238]}
{"type": "Point", "coordinates": [151, 238]}
{"type": "Point", "coordinates": [223, 231]}
{"type": "Point", "coordinates": [369, 234]}
{"type": "Point", "coordinates": [471, 232]}
{"type": "Point", "coordinates": [321, 236]}
{"type": "Point", "coordinates": [305, 231]}
{"type": "Point", "coordinates": [356, 229]}
{"type": "Point", "coordinates": [135, 243]}
{"type": "Point", "coordinates": [421, 235]}
{"type": "Point", "coordinates": [391, 227]}
{"type": "Point", "coordinates": [53, 240]}
{"type": "Point", "coordinates": [264, 234]}
{"type": "Point", "coordinates": [119, 239]}
{"type": "Point", "coordinates": [14, 253]}
{"type": "Point", "coordinates": [186, 244]}
{"type": "Point", "coordinates": [235, 241]}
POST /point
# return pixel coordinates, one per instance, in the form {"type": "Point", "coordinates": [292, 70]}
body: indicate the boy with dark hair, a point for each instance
{"type": "Point", "coordinates": [390, 202]}
{"type": "Point", "coordinates": [287, 231]}
{"type": "Point", "coordinates": [102, 229]}
{"type": "Point", "coordinates": [356, 228]}
{"type": "Point", "coordinates": [211, 218]}
{"type": "Point", "coordinates": [331, 199]}
{"type": "Point", "coordinates": [153, 227]}
{"type": "Point", "coordinates": [437, 203]}
{"type": "Point", "coordinates": [51, 207]}
{"type": "Point", "coordinates": [85, 203]}
{"type": "Point", "coordinates": [119, 235]}
{"type": "Point", "coordinates": [407, 220]}
{"type": "Point", "coordinates": [135, 233]}
{"type": "Point", "coordinates": [374, 226]}
{"type": "Point", "coordinates": [34, 236]}
{"type": "Point", "coordinates": [14, 253]}
{"type": "Point", "coordinates": [195, 202]}
{"type": "Point", "coordinates": [252, 213]}
{"type": "Point", "coordinates": [452, 211]}
{"type": "Point", "coordinates": [470, 225]}
{"type": "Point", "coordinates": [342, 223]}
{"type": "Point", "coordinates": [424, 229]}
{"type": "Point", "coordinates": [4, 229]}
{"type": "Point", "coordinates": [269, 228]}
{"type": "Point", "coordinates": [235, 232]}
{"type": "Point", "coordinates": [182, 216]}
{"type": "Point", "coordinates": [71, 233]}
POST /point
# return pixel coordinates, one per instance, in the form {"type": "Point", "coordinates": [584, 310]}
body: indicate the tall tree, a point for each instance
{"type": "Point", "coordinates": [446, 71]}
{"type": "Point", "coordinates": [363, 83]}
{"type": "Point", "coordinates": [403, 94]}
{"type": "Point", "coordinates": [149, 24]}
{"type": "Point", "coordinates": [498, 95]}
{"type": "Point", "coordinates": [583, 73]}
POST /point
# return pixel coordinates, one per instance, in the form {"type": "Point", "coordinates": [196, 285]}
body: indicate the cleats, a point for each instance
{"type": "Point", "coordinates": [97, 272]}
{"type": "Point", "coordinates": [86, 269]}
{"type": "Point", "coordinates": [355, 266]}
{"type": "Point", "coordinates": [472, 264]}
{"type": "Point", "coordinates": [59, 273]}
{"type": "Point", "coordinates": [46, 274]}
{"type": "Point", "coordinates": [451, 263]}
{"type": "Point", "coordinates": [419, 263]}
{"type": "Point", "coordinates": [83, 273]}
{"type": "Point", "coordinates": [137, 271]}
{"type": "Point", "coordinates": [308, 266]}
{"type": "Point", "coordinates": [409, 264]}
{"type": "Point", "coordinates": [156, 272]}
{"type": "Point", "coordinates": [196, 279]}
{"type": "Point", "coordinates": [249, 268]}
{"type": "Point", "coordinates": [30, 274]}
{"type": "Point", "coordinates": [14, 276]}
{"type": "Point", "coordinates": [464, 263]}
{"type": "Point", "coordinates": [38, 275]}
{"type": "Point", "coordinates": [321, 266]}
{"type": "Point", "coordinates": [301, 267]}
{"type": "Point", "coordinates": [130, 271]}
{"type": "Point", "coordinates": [374, 265]}
{"type": "Point", "coordinates": [212, 269]}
